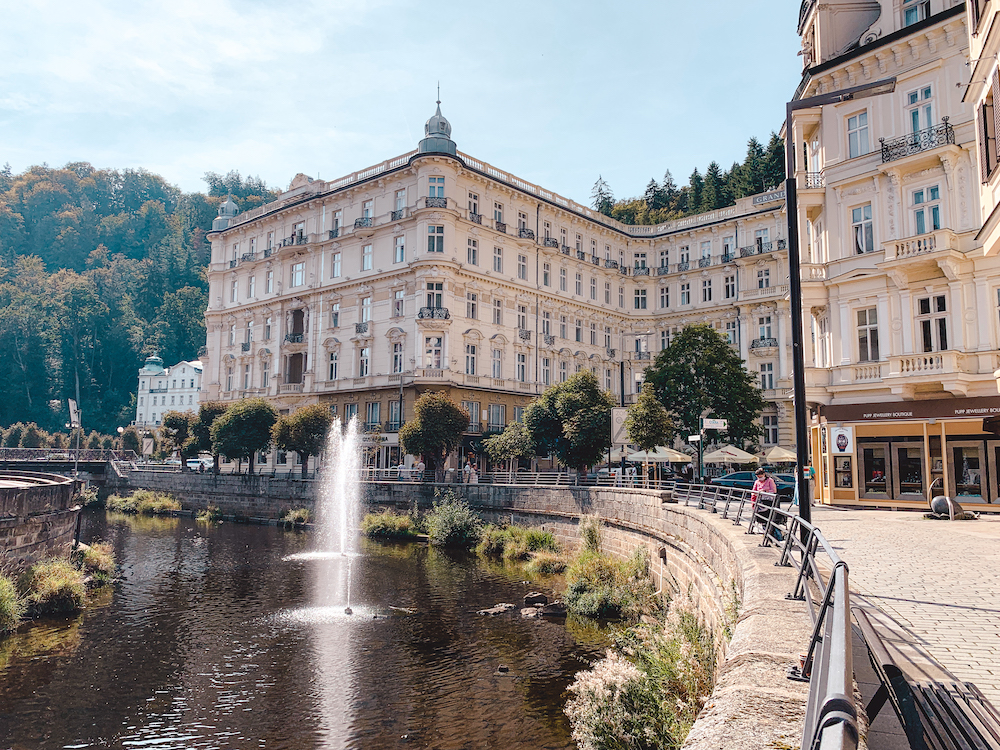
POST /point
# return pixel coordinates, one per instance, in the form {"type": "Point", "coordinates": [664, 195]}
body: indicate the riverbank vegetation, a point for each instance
{"type": "Point", "coordinates": [389, 525]}
{"type": "Point", "coordinates": [295, 517]}
{"type": "Point", "coordinates": [97, 562]}
{"type": "Point", "coordinates": [143, 503]}
{"type": "Point", "coordinates": [515, 543]}
{"type": "Point", "coordinates": [452, 522]}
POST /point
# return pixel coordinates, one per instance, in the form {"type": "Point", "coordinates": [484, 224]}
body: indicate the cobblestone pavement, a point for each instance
{"type": "Point", "coordinates": [939, 581]}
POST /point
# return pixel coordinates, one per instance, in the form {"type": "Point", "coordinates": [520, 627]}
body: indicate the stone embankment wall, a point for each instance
{"type": "Point", "coordinates": [37, 515]}
{"type": "Point", "coordinates": [731, 581]}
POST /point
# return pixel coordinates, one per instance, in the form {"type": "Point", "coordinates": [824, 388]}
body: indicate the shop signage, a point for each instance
{"type": "Point", "coordinates": [842, 439]}
{"type": "Point", "coordinates": [777, 195]}
{"type": "Point", "coordinates": [942, 408]}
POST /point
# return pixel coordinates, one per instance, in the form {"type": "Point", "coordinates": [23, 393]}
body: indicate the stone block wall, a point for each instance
{"type": "Point", "coordinates": [36, 518]}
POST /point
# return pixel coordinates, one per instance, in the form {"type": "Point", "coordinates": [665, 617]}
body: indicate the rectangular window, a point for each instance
{"type": "Point", "coordinates": [498, 259]}
{"type": "Point", "coordinates": [639, 260]}
{"type": "Point", "coordinates": [267, 329]}
{"type": "Point", "coordinates": [861, 228]}
{"type": "Point", "coordinates": [579, 242]}
{"type": "Point", "coordinates": [435, 294]}
{"type": "Point", "coordinates": [366, 309]}
{"type": "Point", "coordinates": [546, 323]}
{"type": "Point", "coordinates": [399, 253]}
{"type": "Point", "coordinates": [522, 317]}
{"type": "Point", "coordinates": [472, 407]}
{"type": "Point", "coordinates": [593, 288]}
{"type": "Point", "coordinates": [470, 359]}
{"type": "Point", "coordinates": [474, 204]}
{"type": "Point", "coordinates": [706, 250]}
{"type": "Point", "coordinates": [433, 346]}
{"type": "Point", "coordinates": [686, 294]}
{"type": "Point", "coordinates": [498, 213]}
{"type": "Point", "coordinates": [607, 292]}
{"type": "Point", "coordinates": [364, 359]}
{"type": "Point", "coordinates": [857, 135]}
{"type": "Point", "coordinates": [763, 278]}
{"type": "Point", "coordinates": [435, 238]}
{"type": "Point", "coordinates": [522, 220]}
{"type": "Point", "coordinates": [397, 357]}
{"type": "Point", "coordinates": [868, 335]}
{"type": "Point", "coordinates": [683, 257]}
{"type": "Point", "coordinates": [338, 220]}
{"type": "Point", "coordinates": [395, 422]}
{"type": "Point", "coordinates": [496, 363]}
{"type": "Point", "coordinates": [547, 229]}
{"type": "Point", "coordinates": [730, 286]}
{"type": "Point", "coordinates": [472, 253]}
{"type": "Point", "coordinates": [706, 290]}
{"type": "Point", "coordinates": [497, 414]}
{"type": "Point", "coordinates": [435, 187]}
{"type": "Point", "coordinates": [335, 315]}
{"type": "Point", "coordinates": [546, 274]}
{"type": "Point", "coordinates": [562, 326]}
{"type": "Point", "coordinates": [522, 267]}
{"type": "Point", "coordinates": [335, 266]}
{"type": "Point", "coordinates": [767, 377]}
{"type": "Point", "coordinates": [915, 11]}
{"type": "Point", "coordinates": [562, 279]}
{"type": "Point", "coordinates": [498, 312]}
{"type": "Point", "coordinates": [579, 330]}
{"type": "Point", "coordinates": [621, 296]}
{"type": "Point", "coordinates": [471, 305]}
{"type": "Point", "coordinates": [397, 303]}
{"type": "Point", "coordinates": [593, 334]}
{"type": "Point", "coordinates": [640, 299]}
{"type": "Point", "coordinates": [562, 372]}
{"type": "Point", "coordinates": [400, 201]}
{"type": "Point", "coordinates": [579, 284]}
{"type": "Point", "coordinates": [233, 293]}
{"type": "Point", "coordinates": [546, 370]}
{"type": "Point", "coordinates": [366, 258]}
{"type": "Point", "coordinates": [373, 413]}
{"type": "Point", "coordinates": [333, 366]}
{"type": "Point", "coordinates": [350, 412]}
{"type": "Point", "coordinates": [522, 367]}
{"type": "Point", "coordinates": [270, 240]}
{"type": "Point", "coordinates": [269, 282]}
{"type": "Point", "coordinates": [927, 209]}
{"type": "Point", "coordinates": [298, 274]}
{"type": "Point", "coordinates": [265, 374]}
{"type": "Point", "coordinates": [764, 327]}
{"type": "Point", "coordinates": [920, 109]}
{"type": "Point", "coordinates": [251, 287]}
{"type": "Point", "coordinates": [933, 322]}
{"type": "Point", "coordinates": [770, 422]}
{"type": "Point", "coordinates": [664, 258]}
{"type": "Point", "coordinates": [367, 209]}
{"type": "Point", "coordinates": [729, 246]}
{"type": "Point", "coordinates": [731, 332]}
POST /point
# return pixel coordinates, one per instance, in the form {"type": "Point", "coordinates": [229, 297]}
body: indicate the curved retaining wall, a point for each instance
{"type": "Point", "coordinates": [37, 514]}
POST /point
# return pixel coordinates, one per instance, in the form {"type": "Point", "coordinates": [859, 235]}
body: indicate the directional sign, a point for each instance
{"type": "Point", "coordinates": [694, 438]}
{"type": "Point", "coordinates": [716, 424]}
{"type": "Point", "coordinates": [619, 435]}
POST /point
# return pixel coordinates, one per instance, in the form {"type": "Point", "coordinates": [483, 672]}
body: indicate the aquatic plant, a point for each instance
{"type": "Point", "coordinates": [211, 514]}
{"type": "Point", "coordinates": [97, 561]}
{"type": "Point", "coordinates": [53, 586]}
{"type": "Point", "coordinates": [604, 587]}
{"type": "Point", "coordinates": [12, 606]}
{"type": "Point", "coordinates": [143, 502]}
{"type": "Point", "coordinates": [514, 542]}
{"type": "Point", "coordinates": [295, 517]}
{"type": "Point", "coordinates": [389, 525]}
{"type": "Point", "coordinates": [451, 522]}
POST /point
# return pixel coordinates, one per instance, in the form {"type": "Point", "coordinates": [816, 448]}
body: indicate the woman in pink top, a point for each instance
{"type": "Point", "coordinates": [763, 484]}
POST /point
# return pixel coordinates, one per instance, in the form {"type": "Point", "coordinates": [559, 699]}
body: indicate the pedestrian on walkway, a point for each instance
{"type": "Point", "coordinates": [764, 490]}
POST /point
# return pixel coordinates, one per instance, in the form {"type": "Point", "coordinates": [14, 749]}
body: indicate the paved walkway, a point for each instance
{"type": "Point", "coordinates": [939, 581]}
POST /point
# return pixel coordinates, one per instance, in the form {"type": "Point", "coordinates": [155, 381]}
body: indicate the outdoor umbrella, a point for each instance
{"type": "Point", "coordinates": [660, 453]}
{"type": "Point", "coordinates": [779, 455]}
{"type": "Point", "coordinates": [727, 454]}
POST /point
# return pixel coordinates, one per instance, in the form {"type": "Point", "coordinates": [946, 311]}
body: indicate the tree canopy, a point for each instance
{"type": "Point", "coordinates": [700, 372]}
{"type": "Point", "coordinates": [304, 431]}
{"type": "Point", "coordinates": [648, 422]}
{"type": "Point", "coordinates": [244, 429]}
{"type": "Point", "coordinates": [436, 429]}
{"type": "Point", "coordinates": [511, 444]}
{"type": "Point", "coordinates": [572, 420]}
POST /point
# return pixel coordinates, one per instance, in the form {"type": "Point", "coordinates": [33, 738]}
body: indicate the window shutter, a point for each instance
{"type": "Point", "coordinates": [996, 120]}
{"type": "Point", "coordinates": [984, 167]}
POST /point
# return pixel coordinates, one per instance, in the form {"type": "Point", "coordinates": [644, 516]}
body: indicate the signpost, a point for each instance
{"type": "Point", "coordinates": [714, 424]}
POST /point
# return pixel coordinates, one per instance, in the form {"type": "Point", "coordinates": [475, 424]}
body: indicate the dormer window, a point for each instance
{"type": "Point", "coordinates": [915, 11]}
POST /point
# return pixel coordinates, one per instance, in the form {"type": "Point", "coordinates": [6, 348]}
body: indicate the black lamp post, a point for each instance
{"type": "Point", "coordinates": [884, 86]}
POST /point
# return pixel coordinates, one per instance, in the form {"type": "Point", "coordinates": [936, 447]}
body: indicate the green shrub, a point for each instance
{"type": "Point", "coordinates": [546, 563]}
{"type": "Point", "coordinates": [452, 523]}
{"type": "Point", "coordinates": [98, 562]}
{"type": "Point", "coordinates": [211, 514]}
{"type": "Point", "coordinates": [601, 586]}
{"type": "Point", "coordinates": [515, 542]}
{"type": "Point", "coordinates": [590, 533]}
{"type": "Point", "coordinates": [295, 517]}
{"type": "Point", "coordinates": [389, 525]}
{"type": "Point", "coordinates": [88, 496]}
{"type": "Point", "coordinates": [143, 502]}
{"type": "Point", "coordinates": [54, 586]}
{"type": "Point", "coordinates": [12, 606]}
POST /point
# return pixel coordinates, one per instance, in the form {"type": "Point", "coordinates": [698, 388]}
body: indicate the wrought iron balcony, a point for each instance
{"type": "Point", "coordinates": [663, 270]}
{"type": "Point", "coordinates": [623, 270]}
{"type": "Point", "coordinates": [247, 257]}
{"type": "Point", "coordinates": [640, 355]}
{"type": "Point", "coordinates": [684, 266]}
{"type": "Point", "coordinates": [361, 327]}
{"type": "Point", "coordinates": [814, 181]}
{"type": "Point", "coordinates": [525, 233]}
{"type": "Point", "coordinates": [523, 334]}
{"type": "Point", "coordinates": [782, 245]}
{"type": "Point", "coordinates": [610, 352]}
{"type": "Point", "coordinates": [728, 258]}
{"type": "Point", "coordinates": [580, 255]}
{"type": "Point", "coordinates": [549, 339]}
{"type": "Point", "coordinates": [565, 249]}
{"type": "Point", "coordinates": [595, 260]}
{"type": "Point", "coordinates": [475, 218]}
{"type": "Point", "coordinates": [434, 312]}
{"type": "Point", "coordinates": [268, 253]}
{"type": "Point", "coordinates": [914, 143]}
{"type": "Point", "coordinates": [300, 239]}
{"type": "Point", "coordinates": [608, 263]}
{"type": "Point", "coordinates": [397, 215]}
{"type": "Point", "coordinates": [245, 346]}
{"type": "Point", "coordinates": [640, 271]}
{"type": "Point", "coordinates": [334, 233]}
{"type": "Point", "coordinates": [760, 248]}
{"type": "Point", "coordinates": [294, 338]}
{"type": "Point", "coordinates": [233, 263]}
{"type": "Point", "coordinates": [436, 202]}
{"type": "Point", "coordinates": [704, 262]}
{"type": "Point", "coordinates": [500, 227]}
{"type": "Point", "coordinates": [550, 242]}
{"type": "Point", "coordinates": [763, 343]}
{"type": "Point", "coordinates": [365, 222]}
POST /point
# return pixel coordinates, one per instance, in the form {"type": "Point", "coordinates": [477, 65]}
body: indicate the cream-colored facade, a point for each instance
{"type": "Point", "coordinates": [162, 389]}
{"type": "Point", "coordinates": [436, 271]}
{"type": "Point", "coordinates": [900, 299]}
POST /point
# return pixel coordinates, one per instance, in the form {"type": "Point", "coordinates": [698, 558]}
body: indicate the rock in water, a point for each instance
{"type": "Point", "coordinates": [348, 611]}
{"type": "Point", "coordinates": [555, 609]}
{"type": "Point", "coordinates": [498, 609]}
{"type": "Point", "coordinates": [530, 600]}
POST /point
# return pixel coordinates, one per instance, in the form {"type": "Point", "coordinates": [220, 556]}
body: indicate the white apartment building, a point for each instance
{"type": "Point", "coordinates": [900, 300]}
{"type": "Point", "coordinates": [163, 389]}
{"type": "Point", "coordinates": [436, 271]}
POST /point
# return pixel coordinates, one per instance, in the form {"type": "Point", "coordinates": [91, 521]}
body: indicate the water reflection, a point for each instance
{"type": "Point", "coordinates": [216, 639]}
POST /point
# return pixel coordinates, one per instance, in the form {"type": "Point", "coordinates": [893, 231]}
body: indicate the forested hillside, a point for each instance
{"type": "Point", "coordinates": [98, 269]}
{"type": "Point", "coordinates": [763, 168]}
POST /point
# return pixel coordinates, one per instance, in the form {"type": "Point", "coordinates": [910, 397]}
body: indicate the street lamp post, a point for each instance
{"type": "Point", "coordinates": [876, 88]}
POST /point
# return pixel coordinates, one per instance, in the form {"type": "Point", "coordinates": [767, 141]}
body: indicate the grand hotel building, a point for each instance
{"type": "Point", "coordinates": [436, 271]}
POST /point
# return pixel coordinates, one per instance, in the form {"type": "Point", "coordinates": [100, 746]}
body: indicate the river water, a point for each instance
{"type": "Point", "coordinates": [213, 638]}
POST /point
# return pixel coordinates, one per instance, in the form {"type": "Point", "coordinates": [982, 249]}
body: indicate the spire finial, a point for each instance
{"type": "Point", "coordinates": [439, 92]}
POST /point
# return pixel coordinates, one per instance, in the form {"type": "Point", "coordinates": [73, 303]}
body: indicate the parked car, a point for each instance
{"type": "Point", "coordinates": [745, 479]}
{"type": "Point", "coordinates": [194, 464]}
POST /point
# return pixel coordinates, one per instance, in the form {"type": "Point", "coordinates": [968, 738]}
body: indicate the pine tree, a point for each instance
{"type": "Point", "coordinates": [603, 198]}
{"type": "Point", "coordinates": [697, 187]}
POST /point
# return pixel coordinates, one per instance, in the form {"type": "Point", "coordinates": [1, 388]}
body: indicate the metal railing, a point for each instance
{"type": "Point", "coordinates": [550, 242]}
{"type": "Point", "coordinates": [433, 312]}
{"type": "Point", "coordinates": [475, 218]}
{"type": "Point", "coordinates": [65, 454]}
{"type": "Point", "coordinates": [822, 583]}
{"type": "Point", "coordinates": [365, 222]}
{"type": "Point", "coordinates": [436, 202]}
{"type": "Point", "coordinates": [922, 140]}
{"type": "Point", "coordinates": [525, 233]}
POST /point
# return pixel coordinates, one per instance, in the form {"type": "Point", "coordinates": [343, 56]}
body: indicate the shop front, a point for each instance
{"type": "Point", "coordinates": [902, 454]}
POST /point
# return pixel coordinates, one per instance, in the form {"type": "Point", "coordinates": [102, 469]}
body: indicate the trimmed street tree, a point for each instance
{"type": "Point", "coordinates": [201, 431]}
{"type": "Point", "coordinates": [177, 433]}
{"type": "Point", "coordinates": [303, 432]}
{"type": "Point", "coordinates": [435, 431]}
{"type": "Point", "coordinates": [244, 429]}
{"type": "Point", "coordinates": [508, 446]}
{"type": "Point", "coordinates": [648, 423]}
{"type": "Point", "coordinates": [572, 420]}
{"type": "Point", "coordinates": [700, 372]}
{"type": "Point", "coordinates": [131, 440]}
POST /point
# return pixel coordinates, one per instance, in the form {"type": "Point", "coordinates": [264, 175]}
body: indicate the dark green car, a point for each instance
{"type": "Point", "coordinates": [745, 479]}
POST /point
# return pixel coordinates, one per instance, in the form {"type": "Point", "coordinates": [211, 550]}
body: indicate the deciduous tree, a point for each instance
{"type": "Point", "coordinates": [244, 430]}
{"type": "Point", "coordinates": [304, 432]}
{"type": "Point", "coordinates": [436, 429]}
{"type": "Point", "coordinates": [511, 444]}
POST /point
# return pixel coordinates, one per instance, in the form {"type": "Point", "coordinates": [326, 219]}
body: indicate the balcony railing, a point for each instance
{"type": "Point", "coordinates": [922, 244]}
{"type": "Point", "coordinates": [813, 181]}
{"type": "Point", "coordinates": [436, 202]}
{"type": "Point", "coordinates": [474, 427]}
{"type": "Point", "coordinates": [245, 346]}
{"type": "Point", "coordinates": [300, 239]}
{"type": "Point", "coordinates": [334, 233]}
{"type": "Point", "coordinates": [290, 388]}
{"type": "Point", "coordinates": [565, 249]}
{"type": "Point", "coordinates": [763, 343]}
{"type": "Point", "coordinates": [684, 265]}
{"type": "Point", "coordinates": [268, 252]}
{"type": "Point", "coordinates": [595, 260]}
{"type": "Point", "coordinates": [704, 262]}
{"type": "Point", "coordinates": [525, 234]}
{"type": "Point", "coordinates": [495, 427]}
{"type": "Point", "coordinates": [580, 255]}
{"type": "Point", "coordinates": [294, 338]}
{"type": "Point", "coordinates": [475, 218]}
{"type": "Point", "coordinates": [361, 327]}
{"type": "Point", "coordinates": [641, 271]}
{"type": "Point", "coordinates": [728, 257]}
{"type": "Point", "coordinates": [778, 290]}
{"type": "Point", "coordinates": [663, 270]}
{"type": "Point", "coordinates": [608, 263]}
{"type": "Point", "coordinates": [397, 215]}
{"type": "Point", "coordinates": [392, 426]}
{"type": "Point", "coordinates": [365, 222]}
{"type": "Point", "coordinates": [524, 334]}
{"type": "Point", "coordinates": [623, 270]}
{"type": "Point", "coordinates": [233, 263]}
{"type": "Point", "coordinates": [500, 227]}
{"type": "Point", "coordinates": [914, 143]}
{"type": "Point", "coordinates": [610, 352]}
{"type": "Point", "coordinates": [247, 257]}
{"type": "Point", "coordinates": [550, 242]}
{"type": "Point", "coordinates": [434, 312]}
{"type": "Point", "coordinates": [549, 339]}
{"type": "Point", "coordinates": [640, 355]}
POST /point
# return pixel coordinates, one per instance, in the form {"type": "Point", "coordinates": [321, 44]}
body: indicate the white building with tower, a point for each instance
{"type": "Point", "coordinates": [163, 389]}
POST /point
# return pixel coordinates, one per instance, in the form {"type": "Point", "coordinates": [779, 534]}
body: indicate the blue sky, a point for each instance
{"type": "Point", "coordinates": [554, 91]}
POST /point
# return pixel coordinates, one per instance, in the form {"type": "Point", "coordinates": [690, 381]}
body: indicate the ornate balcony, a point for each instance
{"type": "Point", "coordinates": [640, 355]}
{"type": "Point", "coordinates": [684, 266]}
{"type": "Point", "coordinates": [425, 313]}
{"type": "Point", "coordinates": [245, 346]}
{"type": "Point", "coordinates": [610, 352]}
{"type": "Point", "coordinates": [663, 270]}
{"type": "Point", "coordinates": [334, 233]}
{"type": "Point", "coordinates": [704, 262]}
{"type": "Point", "coordinates": [397, 215]}
{"type": "Point", "coordinates": [564, 249]}
{"type": "Point", "coordinates": [294, 338]}
{"type": "Point", "coordinates": [500, 227]}
{"type": "Point", "coordinates": [290, 388]}
{"type": "Point", "coordinates": [365, 222]}
{"type": "Point", "coordinates": [550, 242]}
{"type": "Point", "coordinates": [909, 248]}
{"type": "Point", "coordinates": [549, 339]}
{"type": "Point", "coordinates": [764, 343]}
{"type": "Point", "coordinates": [641, 271]}
{"type": "Point", "coordinates": [475, 218]}
{"type": "Point", "coordinates": [914, 143]}
{"type": "Point", "coordinates": [233, 263]}
{"type": "Point", "coordinates": [247, 257]}
{"type": "Point", "coordinates": [760, 292]}
{"type": "Point", "coordinates": [524, 334]}
{"type": "Point", "coordinates": [728, 257]}
{"type": "Point", "coordinates": [436, 202]}
{"type": "Point", "coordinates": [268, 252]}
{"type": "Point", "coordinates": [595, 260]}
{"type": "Point", "coordinates": [361, 327]}
{"type": "Point", "coordinates": [301, 239]}
{"type": "Point", "coordinates": [580, 255]}
{"type": "Point", "coordinates": [608, 263]}
{"type": "Point", "coordinates": [623, 270]}
{"type": "Point", "coordinates": [525, 234]}
{"type": "Point", "coordinates": [813, 181]}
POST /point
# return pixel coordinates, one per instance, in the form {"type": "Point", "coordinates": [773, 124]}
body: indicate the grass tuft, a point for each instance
{"type": "Point", "coordinates": [143, 502]}
{"type": "Point", "coordinates": [603, 587]}
{"type": "Point", "coordinates": [98, 562]}
{"type": "Point", "coordinates": [452, 523]}
{"type": "Point", "coordinates": [211, 514]}
{"type": "Point", "coordinates": [53, 587]}
{"type": "Point", "coordinates": [546, 563]}
{"type": "Point", "coordinates": [515, 543]}
{"type": "Point", "coordinates": [12, 606]}
{"type": "Point", "coordinates": [389, 525]}
{"type": "Point", "coordinates": [295, 517]}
